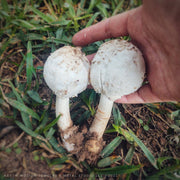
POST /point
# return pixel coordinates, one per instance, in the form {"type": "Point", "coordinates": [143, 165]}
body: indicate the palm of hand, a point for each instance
{"type": "Point", "coordinates": [157, 44]}
{"type": "Point", "coordinates": [156, 39]}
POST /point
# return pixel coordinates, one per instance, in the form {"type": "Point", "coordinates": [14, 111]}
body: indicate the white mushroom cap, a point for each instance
{"type": "Point", "coordinates": [117, 69]}
{"type": "Point", "coordinates": [66, 71]}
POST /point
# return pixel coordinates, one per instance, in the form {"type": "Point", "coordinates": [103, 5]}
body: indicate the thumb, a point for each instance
{"type": "Point", "coordinates": [143, 95]}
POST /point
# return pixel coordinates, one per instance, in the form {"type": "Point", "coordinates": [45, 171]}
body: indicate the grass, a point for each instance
{"type": "Point", "coordinates": [29, 31]}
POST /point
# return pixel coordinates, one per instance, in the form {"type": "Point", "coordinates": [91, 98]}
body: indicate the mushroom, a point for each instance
{"type": "Point", "coordinates": [117, 69]}
{"type": "Point", "coordinates": [66, 73]}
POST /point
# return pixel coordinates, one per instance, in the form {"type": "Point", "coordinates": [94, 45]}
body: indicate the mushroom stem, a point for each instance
{"type": "Point", "coordinates": [62, 107]}
{"type": "Point", "coordinates": [64, 122]}
{"type": "Point", "coordinates": [102, 116]}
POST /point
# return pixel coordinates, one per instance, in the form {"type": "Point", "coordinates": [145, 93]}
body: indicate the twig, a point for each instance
{"type": "Point", "coordinates": [73, 163]}
{"type": "Point", "coordinates": [132, 115]}
{"type": "Point", "coordinates": [159, 117]}
{"type": "Point", "coordinates": [16, 140]}
{"type": "Point", "coordinates": [42, 145]}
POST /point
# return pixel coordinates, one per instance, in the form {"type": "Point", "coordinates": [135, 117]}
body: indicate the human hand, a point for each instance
{"type": "Point", "coordinates": [157, 35]}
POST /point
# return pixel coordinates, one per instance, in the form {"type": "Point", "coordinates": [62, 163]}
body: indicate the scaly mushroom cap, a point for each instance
{"type": "Point", "coordinates": [66, 71]}
{"type": "Point", "coordinates": [117, 69]}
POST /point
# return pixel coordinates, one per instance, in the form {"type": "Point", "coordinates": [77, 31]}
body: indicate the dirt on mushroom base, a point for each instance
{"type": "Point", "coordinates": [76, 137]}
{"type": "Point", "coordinates": [90, 141]}
{"type": "Point", "coordinates": [79, 136]}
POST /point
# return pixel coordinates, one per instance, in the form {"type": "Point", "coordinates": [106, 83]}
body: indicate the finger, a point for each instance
{"type": "Point", "coordinates": [143, 95]}
{"type": "Point", "coordinates": [114, 26]}
{"type": "Point", "coordinates": [90, 57]}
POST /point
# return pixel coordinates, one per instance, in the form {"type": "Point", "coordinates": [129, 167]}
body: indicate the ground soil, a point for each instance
{"type": "Point", "coordinates": [22, 164]}
{"type": "Point", "coordinates": [25, 164]}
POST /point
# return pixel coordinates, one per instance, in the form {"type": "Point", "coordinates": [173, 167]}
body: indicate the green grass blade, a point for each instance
{"type": "Point", "coordinates": [1, 112]}
{"type": "Point", "coordinates": [129, 135]}
{"type": "Point", "coordinates": [84, 116]}
{"type": "Point", "coordinates": [148, 154]}
{"type": "Point", "coordinates": [125, 133]}
{"type": "Point", "coordinates": [43, 119]}
{"type": "Point", "coordinates": [58, 41]}
{"type": "Point", "coordinates": [82, 17]}
{"type": "Point", "coordinates": [29, 64]}
{"type": "Point", "coordinates": [61, 22]}
{"type": "Point", "coordinates": [130, 154]}
{"type": "Point", "coordinates": [4, 5]}
{"type": "Point", "coordinates": [118, 117]}
{"type": "Point", "coordinates": [71, 8]}
{"type": "Point", "coordinates": [51, 10]}
{"type": "Point", "coordinates": [23, 108]}
{"type": "Point", "coordinates": [103, 10]}
{"type": "Point", "coordinates": [91, 6]}
{"type": "Point", "coordinates": [56, 146]}
{"type": "Point", "coordinates": [5, 16]}
{"type": "Point", "coordinates": [59, 160]}
{"type": "Point", "coordinates": [45, 17]}
{"type": "Point", "coordinates": [26, 120]}
{"type": "Point", "coordinates": [15, 92]}
{"type": "Point", "coordinates": [82, 4]}
{"type": "Point", "coordinates": [87, 166]}
{"type": "Point", "coordinates": [111, 147]}
{"type": "Point", "coordinates": [160, 160]}
{"type": "Point", "coordinates": [108, 161]}
{"type": "Point", "coordinates": [92, 176]}
{"type": "Point", "coordinates": [21, 66]}
{"type": "Point", "coordinates": [92, 19]}
{"type": "Point", "coordinates": [81, 7]}
{"type": "Point", "coordinates": [34, 36]}
{"type": "Point", "coordinates": [3, 48]}
{"type": "Point", "coordinates": [51, 124]}
{"type": "Point", "coordinates": [118, 8]}
{"type": "Point", "coordinates": [3, 103]}
{"type": "Point", "coordinates": [35, 96]}
{"type": "Point", "coordinates": [25, 24]}
{"type": "Point", "coordinates": [29, 131]}
{"type": "Point", "coordinates": [125, 169]}
{"type": "Point", "coordinates": [59, 33]}
{"type": "Point", "coordinates": [164, 171]}
{"type": "Point", "coordinates": [25, 116]}
{"type": "Point", "coordinates": [50, 133]}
